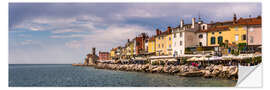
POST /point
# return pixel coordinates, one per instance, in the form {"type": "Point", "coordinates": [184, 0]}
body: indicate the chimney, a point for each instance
{"type": "Point", "coordinates": [234, 18]}
{"type": "Point", "coordinates": [181, 23]}
{"type": "Point", "coordinates": [193, 23]}
{"type": "Point", "coordinates": [157, 31]}
{"type": "Point", "coordinates": [94, 51]}
{"type": "Point", "coordinates": [259, 17]}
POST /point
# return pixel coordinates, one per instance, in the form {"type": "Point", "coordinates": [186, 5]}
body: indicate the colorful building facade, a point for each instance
{"type": "Point", "coordinates": [164, 42]}
{"type": "Point", "coordinates": [151, 45]}
{"type": "Point", "coordinates": [103, 55]}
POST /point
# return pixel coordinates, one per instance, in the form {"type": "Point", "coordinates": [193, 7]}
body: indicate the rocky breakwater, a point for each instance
{"type": "Point", "coordinates": [212, 71]}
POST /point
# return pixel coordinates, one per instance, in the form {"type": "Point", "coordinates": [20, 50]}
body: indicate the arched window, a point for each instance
{"type": "Point", "coordinates": [220, 39]}
{"type": "Point", "coordinates": [213, 40]}
{"type": "Point", "coordinates": [200, 36]}
{"type": "Point", "coordinates": [203, 27]}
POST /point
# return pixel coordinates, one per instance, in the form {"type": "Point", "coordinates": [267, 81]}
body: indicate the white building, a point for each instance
{"type": "Point", "coordinates": [188, 35]}
{"type": "Point", "coordinates": [201, 35]}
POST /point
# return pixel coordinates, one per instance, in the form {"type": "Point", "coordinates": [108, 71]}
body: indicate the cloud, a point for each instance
{"type": "Point", "coordinates": [60, 25]}
{"type": "Point", "coordinates": [29, 42]}
{"type": "Point", "coordinates": [66, 30]}
{"type": "Point", "coordinates": [74, 44]}
{"type": "Point", "coordinates": [68, 36]}
{"type": "Point", "coordinates": [112, 36]}
{"type": "Point", "coordinates": [24, 35]}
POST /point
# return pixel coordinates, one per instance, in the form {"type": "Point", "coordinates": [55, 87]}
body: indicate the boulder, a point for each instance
{"type": "Point", "coordinates": [191, 74]}
{"type": "Point", "coordinates": [173, 70]}
{"type": "Point", "coordinates": [207, 74]}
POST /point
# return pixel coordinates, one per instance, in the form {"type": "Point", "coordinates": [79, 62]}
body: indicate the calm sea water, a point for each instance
{"type": "Point", "coordinates": [34, 75]}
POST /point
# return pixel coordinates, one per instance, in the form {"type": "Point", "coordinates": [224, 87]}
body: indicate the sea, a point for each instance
{"type": "Point", "coordinates": [66, 75]}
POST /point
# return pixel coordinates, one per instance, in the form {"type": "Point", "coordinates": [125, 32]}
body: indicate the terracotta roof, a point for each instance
{"type": "Point", "coordinates": [152, 38]}
{"type": "Point", "coordinates": [249, 21]}
{"type": "Point", "coordinates": [216, 29]}
{"type": "Point", "coordinates": [103, 52]}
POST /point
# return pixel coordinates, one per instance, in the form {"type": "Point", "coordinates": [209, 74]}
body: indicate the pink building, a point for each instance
{"type": "Point", "coordinates": [254, 30]}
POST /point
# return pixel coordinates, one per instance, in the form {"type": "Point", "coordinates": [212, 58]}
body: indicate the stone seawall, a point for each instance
{"type": "Point", "coordinates": [212, 71]}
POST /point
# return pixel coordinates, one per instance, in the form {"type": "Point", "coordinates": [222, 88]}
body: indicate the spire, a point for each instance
{"type": "Point", "coordinates": [200, 21]}
{"type": "Point", "coordinates": [234, 18]}
{"type": "Point", "coordinates": [199, 17]}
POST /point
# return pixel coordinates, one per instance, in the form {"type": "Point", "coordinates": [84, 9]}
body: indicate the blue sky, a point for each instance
{"type": "Point", "coordinates": [65, 32]}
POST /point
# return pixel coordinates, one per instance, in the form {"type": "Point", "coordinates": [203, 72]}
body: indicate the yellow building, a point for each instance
{"type": "Point", "coordinates": [151, 45]}
{"type": "Point", "coordinates": [130, 49]}
{"type": "Point", "coordinates": [231, 34]}
{"type": "Point", "coordinates": [164, 42]}
{"type": "Point", "coordinates": [112, 53]}
{"type": "Point", "coordinates": [169, 44]}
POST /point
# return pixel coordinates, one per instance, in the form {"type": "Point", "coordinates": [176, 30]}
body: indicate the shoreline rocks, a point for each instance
{"type": "Point", "coordinates": [212, 71]}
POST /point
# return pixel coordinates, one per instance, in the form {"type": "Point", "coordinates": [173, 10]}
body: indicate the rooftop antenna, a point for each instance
{"type": "Point", "coordinates": [199, 17]}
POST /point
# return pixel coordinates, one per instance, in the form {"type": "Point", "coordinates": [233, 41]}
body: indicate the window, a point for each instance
{"type": "Point", "coordinates": [213, 33]}
{"type": "Point", "coordinates": [227, 41]}
{"type": "Point", "coordinates": [236, 37]}
{"type": "Point", "coordinates": [170, 38]}
{"type": "Point", "coordinates": [203, 27]}
{"type": "Point", "coordinates": [158, 45]}
{"type": "Point", "coordinates": [138, 43]}
{"type": "Point", "coordinates": [251, 39]}
{"type": "Point", "coordinates": [213, 40]}
{"type": "Point", "coordinates": [180, 43]}
{"type": "Point", "coordinates": [174, 35]}
{"type": "Point", "coordinates": [244, 37]}
{"type": "Point", "coordinates": [251, 29]}
{"type": "Point", "coordinates": [200, 36]}
{"type": "Point", "coordinates": [158, 38]}
{"type": "Point", "coordinates": [220, 39]}
{"type": "Point", "coordinates": [236, 28]}
{"type": "Point", "coordinates": [245, 28]}
{"type": "Point", "coordinates": [170, 46]}
{"type": "Point", "coordinates": [162, 45]}
{"type": "Point", "coordinates": [162, 37]}
{"type": "Point", "coordinates": [219, 32]}
{"type": "Point", "coordinates": [200, 43]}
{"type": "Point", "coordinates": [175, 44]}
{"type": "Point", "coordinates": [180, 34]}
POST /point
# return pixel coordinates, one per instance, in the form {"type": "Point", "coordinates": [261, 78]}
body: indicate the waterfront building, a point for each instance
{"type": "Point", "coordinates": [123, 52]}
{"type": "Point", "coordinates": [168, 49]}
{"type": "Point", "coordinates": [113, 53]}
{"type": "Point", "coordinates": [91, 58]}
{"type": "Point", "coordinates": [151, 45]}
{"type": "Point", "coordinates": [118, 52]}
{"type": "Point", "coordinates": [201, 34]}
{"type": "Point", "coordinates": [140, 44]}
{"type": "Point", "coordinates": [146, 45]}
{"type": "Point", "coordinates": [185, 38]}
{"type": "Point", "coordinates": [227, 32]}
{"type": "Point", "coordinates": [130, 48]}
{"type": "Point", "coordinates": [254, 31]}
{"type": "Point", "coordinates": [103, 55]}
{"type": "Point", "coordinates": [163, 42]}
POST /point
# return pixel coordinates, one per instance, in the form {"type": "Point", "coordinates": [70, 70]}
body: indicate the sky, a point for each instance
{"type": "Point", "coordinates": [63, 33]}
